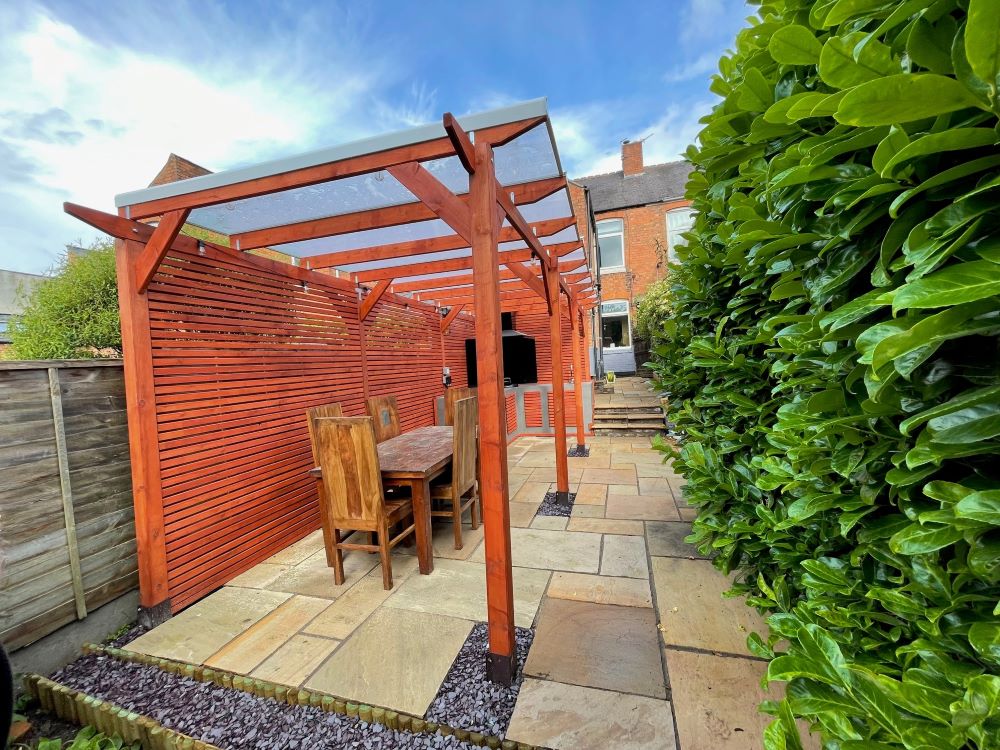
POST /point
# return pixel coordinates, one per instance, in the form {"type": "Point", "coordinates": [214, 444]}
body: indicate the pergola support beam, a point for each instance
{"type": "Point", "coordinates": [448, 319]}
{"type": "Point", "coordinates": [140, 398]}
{"type": "Point", "coordinates": [558, 390]}
{"type": "Point", "coordinates": [156, 249]}
{"type": "Point", "coordinates": [501, 663]}
{"type": "Point", "coordinates": [432, 193]}
{"type": "Point", "coordinates": [374, 295]}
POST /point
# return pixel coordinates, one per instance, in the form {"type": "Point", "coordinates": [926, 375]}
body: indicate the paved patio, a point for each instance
{"type": "Point", "coordinates": [634, 648]}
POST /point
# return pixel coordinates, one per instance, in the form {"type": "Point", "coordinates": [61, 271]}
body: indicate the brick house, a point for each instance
{"type": "Point", "coordinates": [639, 215]}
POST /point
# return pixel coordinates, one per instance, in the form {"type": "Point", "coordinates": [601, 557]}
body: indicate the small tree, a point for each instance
{"type": "Point", "coordinates": [74, 313]}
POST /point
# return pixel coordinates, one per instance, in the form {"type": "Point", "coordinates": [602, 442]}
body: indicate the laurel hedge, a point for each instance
{"type": "Point", "coordinates": [833, 359]}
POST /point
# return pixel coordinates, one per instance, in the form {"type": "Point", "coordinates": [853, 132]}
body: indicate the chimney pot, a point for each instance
{"type": "Point", "coordinates": [632, 157]}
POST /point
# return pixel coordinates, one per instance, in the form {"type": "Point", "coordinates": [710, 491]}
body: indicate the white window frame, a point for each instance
{"type": "Point", "coordinates": [628, 320]}
{"type": "Point", "coordinates": [671, 253]}
{"type": "Point", "coordinates": [620, 233]}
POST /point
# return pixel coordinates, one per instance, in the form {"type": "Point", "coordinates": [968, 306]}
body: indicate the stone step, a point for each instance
{"type": "Point", "coordinates": [636, 414]}
{"type": "Point", "coordinates": [650, 425]}
{"type": "Point", "coordinates": [654, 419]}
{"type": "Point", "coordinates": [627, 431]}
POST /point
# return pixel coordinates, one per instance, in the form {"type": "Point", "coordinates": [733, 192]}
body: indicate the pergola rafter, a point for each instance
{"type": "Point", "coordinates": [349, 209]}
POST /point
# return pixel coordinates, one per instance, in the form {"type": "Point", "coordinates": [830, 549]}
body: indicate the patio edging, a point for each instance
{"type": "Point", "coordinates": [82, 709]}
{"type": "Point", "coordinates": [283, 694]}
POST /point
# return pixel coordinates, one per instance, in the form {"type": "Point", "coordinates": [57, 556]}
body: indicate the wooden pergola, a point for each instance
{"type": "Point", "coordinates": [471, 215]}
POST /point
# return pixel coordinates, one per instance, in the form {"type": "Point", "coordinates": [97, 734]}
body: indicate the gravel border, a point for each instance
{"type": "Point", "coordinates": [467, 699]}
{"type": "Point", "coordinates": [579, 451]}
{"type": "Point", "coordinates": [551, 507]}
{"type": "Point", "coordinates": [232, 719]}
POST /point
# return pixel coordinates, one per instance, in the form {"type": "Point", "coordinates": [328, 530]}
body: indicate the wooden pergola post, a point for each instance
{"type": "Point", "coordinates": [501, 664]}
{"type": "Point", "coordinates": [147, 492]}
{"type": "Point", "coordinates": [576, 336]}
{"type": "Point", "coordinates": [558, 391]}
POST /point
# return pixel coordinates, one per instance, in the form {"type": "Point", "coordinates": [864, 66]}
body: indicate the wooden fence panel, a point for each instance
{"type": "Point", "coordinates": [66, 520]}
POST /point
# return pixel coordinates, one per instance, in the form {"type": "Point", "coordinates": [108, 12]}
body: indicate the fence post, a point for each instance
{"type": "Point", "coordinates": [66, 490]}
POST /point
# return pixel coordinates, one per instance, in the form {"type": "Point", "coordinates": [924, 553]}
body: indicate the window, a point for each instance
{"type": "Point", "coordinates": [611, 242]}
{"type": "Point", "coordinates": [679, 221]}
{"type": "Point", "coordinates": [615, 330]}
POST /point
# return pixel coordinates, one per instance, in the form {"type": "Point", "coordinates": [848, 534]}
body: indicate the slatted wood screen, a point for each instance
{"type": "Point", "coordinates": [403, 357]}
{"type": "Point", "coordinates": [239, 354]}
{"type": "Point", "coordinates": [533, 409]}
{"type": "Point", "coordinates": [510, 402]}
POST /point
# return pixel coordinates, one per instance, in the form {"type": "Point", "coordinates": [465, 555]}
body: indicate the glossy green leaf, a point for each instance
{"type": "Point", "coordinates": [903, 98]}
{"type": "Point", "coordinates": [842, 66]}
{"type": "Point", "coordinates": [917, 540]}
{"type": "Point", "coordinates": [982, 40]}
{"type": "Point", "coordinates": [957, 284]}
{"type": "Point", "coordinates": [794, 45]}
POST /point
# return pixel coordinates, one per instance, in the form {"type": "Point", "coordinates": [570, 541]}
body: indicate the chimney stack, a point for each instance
{"type": "Point", "coordinates": [631, 157]}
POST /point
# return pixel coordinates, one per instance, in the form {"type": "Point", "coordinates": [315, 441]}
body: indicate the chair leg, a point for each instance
{"type": "Point", "coordinates": [338, 559]}
{"type": "Point", "coordinates": [475, 510]}
{"type": "Point", "coordinates": [456, 517]}
{"type": "Point", "coordinates": [385, 553]}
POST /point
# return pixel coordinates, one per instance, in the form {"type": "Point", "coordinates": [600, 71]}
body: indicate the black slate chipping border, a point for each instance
{"type": "Point", "coordinates": [579, 451]}
{"type": "Point", "coordinates": [467, 698]}
{"type": "Point", "coordinates": [552, 507]}
{"type": "Point", "coordinates": [233, 719]}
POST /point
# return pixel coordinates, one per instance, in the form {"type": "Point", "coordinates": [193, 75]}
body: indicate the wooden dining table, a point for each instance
{"type": "Point", "coordinates": [412, 460]}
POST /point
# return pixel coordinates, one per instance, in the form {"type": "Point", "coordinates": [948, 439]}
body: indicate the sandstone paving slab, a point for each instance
{"type": "Point", "coordinates": [295, 660]}
{"type": "Point", "coordinates": [593, 461]}
{"type": "Point", "coordinates": [605, 526]}
{"type": "Point", "coordinates": [654, 486]}
{"type": "Point", "coordinates": [538, 459]}
{"type": "Point", "coordinates": [396, 659]}
{"type": "Point", "coordinates": [587, 511]}
{"type": "Point", "coordinates": [555, 523]}
{"type": "Point", "coordinates": [666, 539]}
{"type": "Point", "coordinates": [597, 645]}
{"type": "Point", "coordinates": [624, 556]}
{"type": "Point", "coordinates": [693, 612]}
{"type": "Point", "coordinates": [549, 475]}
{"type": "Point", "coordinates": [458, 589]}
{"type": "Point", "coordinates": [570, 717]}
{"type": "Point", "coordinates": [600, 589]}
{"type": "Point", "coordinates": [642, 507]}
{"type": "Point", "coordinates": [622, 489]}
{"type": "Point", "coordinates": [515, 483]}
{"type": "Point", "coordinates": [206, 626]}
{"type": "Point", "coordinates": [250, 648]}
{"type": "Point", "coordinates": [350, 609]}
{"type": "Point", "coordinates": [616, 475]}
{"type": "Point", "coordinates": [715, 700]}
{"type": "Point", "coordinates": [552, 550]}
{"type": "Point", "coordinates": [259, 575]}
{"type": "Point", "coordinates": [688, 514]}
{"type": "Point", "coordinates": [592, 494]}
{"type": "Point", "coordinates": [444, 540]}
{"type": "Point", "coordinates": [298, 552]}
{"type": "Point", "coordinates": [530, 492]}
{"type": "Point", "coordinates": [653, 470]}
{"type": "Point", "coordinates": [313, 578]}
{"type": "Point", "coordinates": [522, 514]}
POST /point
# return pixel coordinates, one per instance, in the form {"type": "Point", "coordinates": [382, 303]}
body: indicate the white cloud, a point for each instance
{"type": "Point", "coordinates": [699, 67]}
{"type": "Point", "coordinates": [81, 121]}
{"type": "Point", "coordinates": [710, 21]}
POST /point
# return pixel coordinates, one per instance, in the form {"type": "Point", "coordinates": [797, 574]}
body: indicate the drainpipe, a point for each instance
{"type": "Point", "coordinates": [596, 322]}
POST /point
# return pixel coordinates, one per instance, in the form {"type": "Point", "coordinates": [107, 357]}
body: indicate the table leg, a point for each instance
{"type": "Point", "coordinates": [421, 493]}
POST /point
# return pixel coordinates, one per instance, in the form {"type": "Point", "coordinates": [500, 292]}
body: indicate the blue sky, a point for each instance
{"type": "Point", "coordinates": [95, 95]}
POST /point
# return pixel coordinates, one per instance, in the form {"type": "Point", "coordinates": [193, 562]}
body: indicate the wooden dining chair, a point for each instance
{"type": "Point", "coordinates": [460, 490]}
{"type": "Point", "coordinates": [352, 484]}
{"type": "Point", "coordinates": [317, 412]}
{"type": "Point", "coordinates": [385, 415]}
{"type": "Point", "coordinates": [451, 395]}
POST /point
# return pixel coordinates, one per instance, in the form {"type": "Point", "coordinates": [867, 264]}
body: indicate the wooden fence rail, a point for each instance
{"type": "Point", "coordinates": [67, 532]}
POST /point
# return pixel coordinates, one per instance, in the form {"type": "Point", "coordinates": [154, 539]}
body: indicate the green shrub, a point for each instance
{"type": "Point", "coordinates": [652, 311]}
{"type": "Point", "coordinates": [72, 314]}
{"type": "Point", "coordinates": [833, 359]}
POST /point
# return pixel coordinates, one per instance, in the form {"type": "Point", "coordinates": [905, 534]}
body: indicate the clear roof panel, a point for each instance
{"type": "Point", "coordinates": [527, 158]}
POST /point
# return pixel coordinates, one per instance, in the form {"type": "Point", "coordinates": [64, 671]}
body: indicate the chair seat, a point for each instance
{"type": "Point", "coordinates": [396, 510]}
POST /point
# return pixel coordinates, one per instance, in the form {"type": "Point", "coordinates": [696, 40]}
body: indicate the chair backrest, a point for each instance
{"type": "Point", "coordinates": [452, 395]}
{"type": "Point", "coordinates": [326, 410]}
{"type": "Point", "coordinates": [352, 481]}
{"type": "Point", "coordinates": [385, 416]}
{"type": "Point", "coordinates": [464, 444]}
